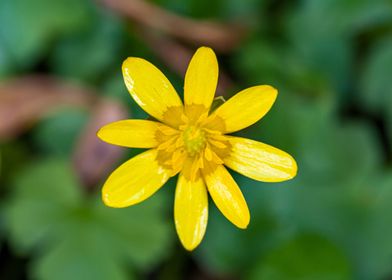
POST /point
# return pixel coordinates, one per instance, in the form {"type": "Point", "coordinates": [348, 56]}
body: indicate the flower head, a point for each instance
{"type": "Point", "coordinates": [189, 140]}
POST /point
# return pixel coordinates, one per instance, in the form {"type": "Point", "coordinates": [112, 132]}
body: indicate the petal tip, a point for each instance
{"type": "Point", "coordinates": [190, 247]}
{"type": "Point", "coordinates": [189, 243]}
{"type": "Point", "coordinates": [268, 92]}
{"type": "Point", "coordinates": [205, 48]}
{"type": "Point", "coordinates": [243, 221]}
{"type": "Point", "coordinates": [128, 60]}
{"type": "Point", "coordinates": [125, 63]}
{"type": "Point", "coordinates": [103, 135]}
{"type": "Point", "coordinates": [131, 60]}
{"type": "Point", "coordinates": [275, 92]}
{"type": "Point", "coordinates": [99, 134]}
{"type": "Point", "coordinates": [243, 224]}
{"type": "Point", "coordinates": [207, 53]}
{"type": "Point", "coordinates": [294, 169]}
{"type": "Point", "coordinates": [271, 90]}
{"type": "Point", "coordinates": [113, 204]}
{"type": "Point", "coordinates": [106, 200]}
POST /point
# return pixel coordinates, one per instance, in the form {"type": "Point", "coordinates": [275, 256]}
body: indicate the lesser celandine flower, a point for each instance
{"type": "Point", "coordinates": [189, 140]}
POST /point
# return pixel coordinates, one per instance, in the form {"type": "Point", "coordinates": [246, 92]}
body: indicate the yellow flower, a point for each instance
{"type": "Point", "coordinates": [187, 139]}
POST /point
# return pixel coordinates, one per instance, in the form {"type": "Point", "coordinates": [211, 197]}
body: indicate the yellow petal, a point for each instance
{"type": "Point", "coordinates": [201, 78]}
{"type": "Point", "coordinates": [227, 196]}
{"type": "Point", "coordinates": [260, 161]}
{"type": "Point", "coordinates": [191, 211]}
{"type": "Point", "coordinates": [131, 133]}
{"type": "Point", "coordinates": [245, 108]}
{"type": "Point", "coordinates": [134, 181]}
{"type": "Point", "coordinates": [149, 87]}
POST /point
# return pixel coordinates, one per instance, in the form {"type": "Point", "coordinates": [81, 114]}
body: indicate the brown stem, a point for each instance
{"type": "Point", "coordinates": [93, 159]}
{"type": "Point", "coordinates": [177, 57]}
{"type": "Point", "coordinates": [25, 100]}
{"type": "Point", "coordinates": [222, 37]}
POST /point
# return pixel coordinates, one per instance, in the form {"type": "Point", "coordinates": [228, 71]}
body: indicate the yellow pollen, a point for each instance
{"type": "Point", "coordinates": [194, 140]}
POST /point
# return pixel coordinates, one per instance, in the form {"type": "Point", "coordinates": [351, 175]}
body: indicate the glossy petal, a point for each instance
{"type": "Point", "coordinates": [201, 78]}
{"type": "Point", "coordinates": [130, 133]}
{"type": "Point", "coordinates": [190, 211]}
{"type": "Point", "coordinates": [245, 108]}
{"type": "Point", "coordinates": [260, 161]}
{"type": "Point", "coordinates": [149, 87]}
{"type": "Point", "coordinates": [227, 196]}
{"type": "Point", "coordinates": [134, 181]}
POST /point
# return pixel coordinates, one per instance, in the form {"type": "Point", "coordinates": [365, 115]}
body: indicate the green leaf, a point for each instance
{"type": "Point", "coordinates": [353, 216]}
{"type": "Point", "coordinates": [28, 27]}
{"type": "Point", "coordinates": [376, 84]}
{"type": "Point", "coordinates": [58, 132]}
{"type": "Point", "coordinates": [350, 17]}
{"type": "Point", "coordinates": [38, 203]}
{"type": "Point", "coordinates": [373, 241]}
{"type": "Point", "coordinates": [42, 196]}
{"type": "Point", "coordinates": [321, 47]}
{"type": "Point", "coordinates": [140, 231]}
{"type": "Point", "coordinates": [74, 259]}
{"type": "Point", "coordinates": [389, 127]}
{"type": "Point", "coordinates": [5, 63]}
{"type": "Point", "coordinates": [326, 45]}
{"type": "Point", "coordinates": [88, 55]}
{"type": "Point", "coordinates": [229, 250]}
{"type": "Point", "coordinates": [305, 257]}
{"type": "Point", "coordinates": [13, 156]}
{"type": "Point", "coordinates": [72, 236]}
{"type": "Point", "coordinates": [264, 62]}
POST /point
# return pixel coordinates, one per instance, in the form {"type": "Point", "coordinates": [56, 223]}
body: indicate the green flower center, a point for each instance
{"type": "Point", "coordinates": [194, 140]}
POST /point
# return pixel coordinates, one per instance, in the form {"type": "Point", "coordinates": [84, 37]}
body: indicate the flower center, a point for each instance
{"type": "Point", "coordinates": [194, 140]}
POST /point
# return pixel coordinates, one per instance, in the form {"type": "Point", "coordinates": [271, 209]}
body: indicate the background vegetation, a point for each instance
{"type": "Point", "coordinates": [60, 79]}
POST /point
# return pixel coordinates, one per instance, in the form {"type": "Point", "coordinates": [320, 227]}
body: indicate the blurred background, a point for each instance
{"type": "Point", "coordinates": [60, 80]}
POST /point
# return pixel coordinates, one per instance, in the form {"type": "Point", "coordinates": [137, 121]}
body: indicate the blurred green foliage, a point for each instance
{"type": "Point", "coordinates": [29, 27]}
{"type": "Point", "coordinates": [57, 134]}
{"type": "Point", "coordinates": [73, 236]}
{"type": "Point", "coordinates": [331, 61]}
{"type": "Point", "coordinates": [316, 259]}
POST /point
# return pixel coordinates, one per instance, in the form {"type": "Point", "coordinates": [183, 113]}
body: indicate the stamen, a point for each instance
{"type": "Point", "coordinates": [217, 144]}
{"type": "Point", "coordinates": [216, 159]}
{"type": "Point", "coordinates": [201, 162]}
{"type": "Point", "coordinates": [211, 131]}
{"type": "Point", "coordinates": [167, 130]}
{"type": "Point", "coordinates": [179, 142]}
{"type": "Point", "coordinates": [178, 161]}
{"type": "Point", "coordinates": [202, 118]}
{"type": "Point", "coordinates": [166, 144]}
{"type": "Point", "coordinates": [192, 148]}
{"type": "Point", "coordinates": [184, 118]}
{"type": "Point", "coordinates": [194, 140]}
{"type": "Point", "coordinates": [176, 155]}
{"type": "Point", "coordinates": [208, 153]}
{"type": "Point", "coordinates": [194, 169]}
{"type": "Point", "coordinates": [218, 137]}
